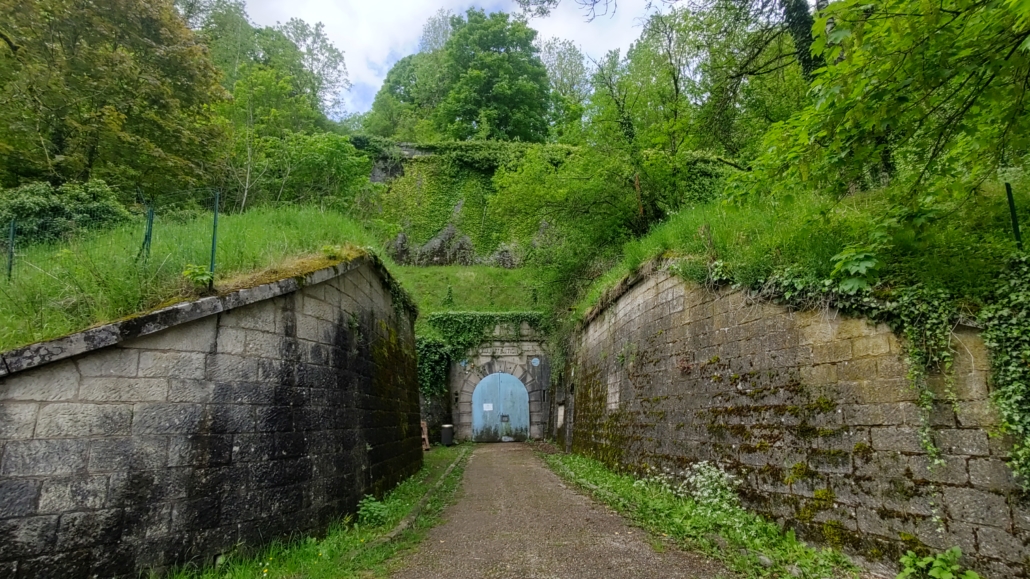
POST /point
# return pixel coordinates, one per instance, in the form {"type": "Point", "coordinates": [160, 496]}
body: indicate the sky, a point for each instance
{"type": "Point", "coordinates": [374, 34]}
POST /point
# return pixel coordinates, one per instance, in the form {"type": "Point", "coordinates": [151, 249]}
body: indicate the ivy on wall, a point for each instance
{"type": "Point", "coordinates": [1007, 334]}
{"type": "Point", "coordinates": [449, 336]}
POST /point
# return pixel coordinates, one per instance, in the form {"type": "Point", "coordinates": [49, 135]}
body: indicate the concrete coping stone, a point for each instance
{"type": "Point", "coordinates": [42, 353]}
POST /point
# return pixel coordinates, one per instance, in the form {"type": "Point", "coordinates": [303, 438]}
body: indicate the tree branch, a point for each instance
{"type": "Point", "coordinates": [732, 164]}
{"type": "Point", "coordinates": [10, 43]}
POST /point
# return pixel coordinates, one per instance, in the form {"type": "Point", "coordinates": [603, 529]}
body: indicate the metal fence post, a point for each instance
{"type": "Point", "coordinates": [148, 235]}
{"type": "Point", "coordinates": [214, 241]}
{"type": "Point", "coordinates": [10, 251]}
{"type": "Point", "coordinates": [1015, 218]}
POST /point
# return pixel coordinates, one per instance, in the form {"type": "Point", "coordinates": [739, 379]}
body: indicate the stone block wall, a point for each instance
{"type": "Point", "coordinates": [174, 437]}
{"type": "Point", "coordinates": [813, 410]}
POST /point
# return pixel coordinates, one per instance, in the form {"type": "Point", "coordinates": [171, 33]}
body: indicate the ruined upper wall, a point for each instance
{"type": "Point", "coordinates": [813, 410]}
{"type": "Point", "coordinates": [176, 436]}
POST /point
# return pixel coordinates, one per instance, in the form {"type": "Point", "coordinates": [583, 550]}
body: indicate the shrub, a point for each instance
{"type": "Point", "coordinates": [45, 213]}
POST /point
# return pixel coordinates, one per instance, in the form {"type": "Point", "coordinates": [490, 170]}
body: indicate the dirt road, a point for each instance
{"type": "Point", "coordinates": [517, 519]}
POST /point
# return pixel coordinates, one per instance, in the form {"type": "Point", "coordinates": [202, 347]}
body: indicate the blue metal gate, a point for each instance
{"type": "Point", "coordinates": [500, 409]}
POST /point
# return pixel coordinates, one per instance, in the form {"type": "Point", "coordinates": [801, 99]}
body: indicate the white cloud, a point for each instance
{"type": "Point", "coordinates": [375, 34]}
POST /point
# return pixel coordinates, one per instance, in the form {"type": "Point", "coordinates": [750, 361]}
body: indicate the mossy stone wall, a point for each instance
{"type": "Point", "coordinates": [812, 410]}
{"type": "Point", "coordinates": [267, 414]}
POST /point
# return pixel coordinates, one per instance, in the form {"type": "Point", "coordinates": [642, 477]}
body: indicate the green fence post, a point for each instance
{"type": "Point", "coordinates": [1015, 218]}
{"type": "Point", "coordinates": [214, 242]}
{"type": "Point", "coordinates": [10, 251]}
{"type": "Point", "coordinates": [148, 235]}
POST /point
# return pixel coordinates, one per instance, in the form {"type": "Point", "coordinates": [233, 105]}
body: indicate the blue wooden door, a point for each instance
{"type": "Point", "coordinates": [500, 409]}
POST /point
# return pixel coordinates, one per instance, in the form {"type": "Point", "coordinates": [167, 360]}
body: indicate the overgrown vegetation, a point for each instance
{"type": "Point", "coordinates": [447, 337]}
{"type": "Point", "coordinates": [699, 510]}
{"type": "Point", "coordinates": [351, 548]}
{"type": "Point", "coordinates": [93, 277]}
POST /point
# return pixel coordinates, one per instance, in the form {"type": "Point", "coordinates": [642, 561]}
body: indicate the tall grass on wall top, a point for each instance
{"type": "Point", "coordinates": [96, 276]}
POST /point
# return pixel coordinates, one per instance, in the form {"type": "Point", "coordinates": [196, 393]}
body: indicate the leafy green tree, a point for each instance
{"type": "Point", "coordinates": [498, 87]}
{"type": "Point", "coordinates": [932, 97]}
{"type": "Point", "coordinates": [114, 89]}
{"type": "Point", "coordinates": [570, 88]}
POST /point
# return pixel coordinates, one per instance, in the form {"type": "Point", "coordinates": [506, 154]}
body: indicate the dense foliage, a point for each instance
{"type": "Point", "coordinates": [479, 77]}
{"type": "Point", "coordinates": [119, 90]}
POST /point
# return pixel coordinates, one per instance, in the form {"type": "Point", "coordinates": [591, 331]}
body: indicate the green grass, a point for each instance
{"type": "Point", "coordinates": [696, 525]}
{"type": "Point", "coordinates": [62, 288]}
{"type": "Point", "coordinates": [475, 288]}
{"type": "Point", "coordinates": [962, 246]}
{"type": "Point", "coordinates": [349, 549]}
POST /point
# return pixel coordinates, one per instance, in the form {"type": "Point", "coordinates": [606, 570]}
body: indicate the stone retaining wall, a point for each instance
{"type": "Point", "coordinates": [267, 413]}
{"type": "Point", "coordinates": [812, 410]}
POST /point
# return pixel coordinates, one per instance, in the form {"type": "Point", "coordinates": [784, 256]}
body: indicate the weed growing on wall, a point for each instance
{"type": "Point", "coordinates": [699, 510]}
{"type": "Point", "coordinates": [942, 566]}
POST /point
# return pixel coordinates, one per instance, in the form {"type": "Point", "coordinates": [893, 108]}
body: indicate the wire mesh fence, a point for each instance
{"type": "Point", "coordinates": [81, 258]}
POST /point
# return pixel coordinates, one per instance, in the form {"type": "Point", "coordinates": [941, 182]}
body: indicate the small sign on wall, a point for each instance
{"type": "Point", "coordinates": [488, 407]}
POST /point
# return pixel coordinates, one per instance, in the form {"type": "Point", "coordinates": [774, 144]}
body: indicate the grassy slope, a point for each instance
{"type": "Point", "coordinates": [962, 249]}
{"type": "Point", "coordinates": [344, 552]}
{"type": "Point", "coordinates": [476, 288]}
{"type": "Point", "coordinates": [60, 289]}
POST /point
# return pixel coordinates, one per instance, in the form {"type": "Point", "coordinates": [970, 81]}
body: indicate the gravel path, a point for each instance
{"type": "Point", "coordinates": [517, 519]}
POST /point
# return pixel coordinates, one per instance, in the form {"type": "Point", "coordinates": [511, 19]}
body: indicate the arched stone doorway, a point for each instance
{"type": "Point", "coordinates": [524, 358]}
{"type": "Point", "coordinates": [500, 409]}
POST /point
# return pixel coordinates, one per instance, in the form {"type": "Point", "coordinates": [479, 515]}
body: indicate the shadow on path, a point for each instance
{"type": "Point", "coordinates": [516, 519]}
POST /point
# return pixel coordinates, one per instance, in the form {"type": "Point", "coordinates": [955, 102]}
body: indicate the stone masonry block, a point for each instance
{"type": "Point", "coordinates": [969, 442]}
{"type": "Point", "coordinates": [977, 413]}
{"type": "Point", "coordinates": [899, 414]}
{"type": "Point", "coordinates": [27, 537]}
{"type": "Point", "coordinates": [128, 454]}
{"type": "Point", "coordinates": [71, 420]}
{"type": "Point", "coordinates": [260, 316]}
{"type": "Point", "coordinates": [818, 375]}
{"type": "Point", "coordinates": [228, 368]}
{"type": "Point", "coordinates": [816, 331]}
{"type": "Point", "coordinates": [991, 474]}
{"type": "Point", "coordinates": [17, 420]}
{"type": "Point", "coordinates": [264, 345]}
{"type": "Point", "coordinates": [850, 328]}
{"type": "Point", "coordinates": [1000, 544]}
{"type": "Point", "coordinates": [952, 472]}
{"type": "Point", "coordinates": [972, 386]}
{"type": "Point", "coordinates": [231, 341]}
{"type": "Point", "coordinates": [44, 457]}
{"type": "Point", "coordinates": [855, 370]}
{"type": "Point", "coordinates": [182, 365]}
{"type": "Point", "coordinates": [80, 530]}
{"type": "Point", "coordinates": [109, 362]}
{"type": "Point", "coordinates": [880, 391]}
{"type": "Point", "coordinates": [831, 352]}
{"type": "Point", "coordinates": [898, 439]}
{"type": "Point", "coordinates": [166, 418]}
{"type": "Point", "coordinates": [123, 389]}
{"type": "Point", "coordinates": [50, 383]}
{"type": "Point", "coordinates": [319, 309]}
{"type": "Point", "coordinates": [60, 495]}
{"type": "Point", "coordinates": [977, 507]}
{"type": "Point", "coordinates": [891, 367]}
{"type": "Point", "coordinates": [870, 346]}
{"type": "Point", "coordinates": [19, 497]}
